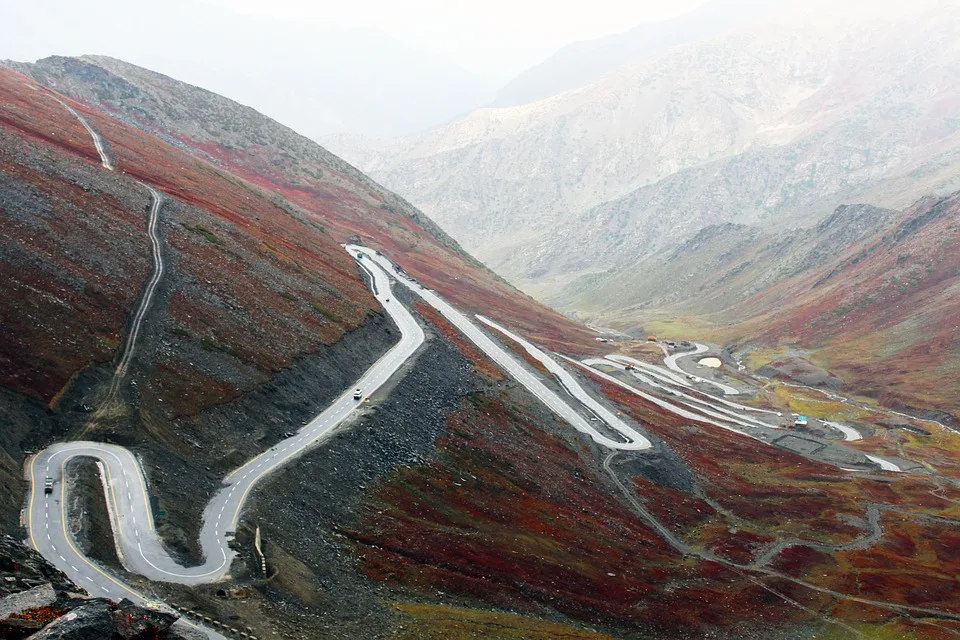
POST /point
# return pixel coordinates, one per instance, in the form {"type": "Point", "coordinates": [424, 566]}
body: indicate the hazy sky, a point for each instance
{"type": "Point", "coordinates": [377, 67]}
{"type": "Point", "coordinates": [490, 36]}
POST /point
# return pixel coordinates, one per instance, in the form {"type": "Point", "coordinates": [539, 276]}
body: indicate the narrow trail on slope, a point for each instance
{"type": "Point", "coordinates": [873, 536]}
{"type": "Point", "coordinates": [145, 300]}
{"type": "Point", "coordinates": [97, 140]}
{"type": "Point", "coordinates": [138, 545]}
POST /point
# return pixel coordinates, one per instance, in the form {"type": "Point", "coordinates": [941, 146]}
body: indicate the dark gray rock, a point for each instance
{"type": "Point", "coordinates": [130, 620]}
{"type": "Point", "coordinates": [93, 621]}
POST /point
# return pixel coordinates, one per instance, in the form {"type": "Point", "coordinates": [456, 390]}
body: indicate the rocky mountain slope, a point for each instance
{"type": "Point", "coordinates": [312, 74]}
{"type": "Point", "coordinates": [769, 127]}
{"type": "Point", "coordinates": [882, 313]}
{"type": "Point", "coordinates": [453, 504]}
{"type": "Point", "coordinates": [583, 63]}
{"type": "Point", "coordinates": [868, 294]}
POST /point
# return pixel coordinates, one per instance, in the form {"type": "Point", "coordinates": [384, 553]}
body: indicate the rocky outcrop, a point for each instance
{"type": "Point", "coordinates": [40, 596]}
{"type": "Point", "coordinates": [91, 621]}
{"type": "Point", "coordinates": [131, 621]}
{"type": "Point", "coordinates": [40, 603]}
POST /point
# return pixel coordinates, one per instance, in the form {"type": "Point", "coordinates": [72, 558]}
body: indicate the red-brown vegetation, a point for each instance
{"type": "Point", "coordinates": [881, 316]}
{"type": "Point", "coordinates": [482, 363]}
{"type": "Point", "coordinates": [266, 284]}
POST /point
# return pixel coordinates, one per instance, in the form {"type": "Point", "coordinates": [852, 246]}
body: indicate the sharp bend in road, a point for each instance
{"type": "Point", "coordinates": [138, 545]}
{"type": "Point", "coordinates": [146, 299]}
{"type": "Point", "coordinates": [657, 372]}
{"type": "Point", "coordinates": [97, 141]}
{"type": "Point", "coordinates": [849, 434]}
{"type": "Point", "coordinates": [660, 402]}
{"type": "Point", "coordinates": [707, 411]}
{"type": "Point", "coordinates": [886, 465]}
{"type": "Point", "coordinates": [634, 441]}
{"type": "Point", "coordinates": [671, 362]}
{"type": "Point", "coordinates": [569, 383]}
{"type": "Point", "coordinates": [618, 362]}
{"type": "Point", "coordinates": [697, 404]}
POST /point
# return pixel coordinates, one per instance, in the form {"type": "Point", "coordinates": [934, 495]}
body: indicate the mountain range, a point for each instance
{"type": "Point", "coordinates": [315, 76]}
{"type": "Point", "coordinates": [772, 126]}
{"type": "Point", "coordinates": [582, 63]}
{"type": "Point", "coordinates": [182, 286]}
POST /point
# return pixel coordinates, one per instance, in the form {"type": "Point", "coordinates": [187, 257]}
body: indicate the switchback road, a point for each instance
{"type": "Point", "coordinates": [138, 545]}
{"type": "Point", "coordinates": [631, 440]}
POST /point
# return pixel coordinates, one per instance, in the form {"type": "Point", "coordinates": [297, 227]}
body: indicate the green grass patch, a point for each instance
{"type": "Point", "coordinates": [322, 311]}
{"type": "Point", "coordinates": [208, 235]}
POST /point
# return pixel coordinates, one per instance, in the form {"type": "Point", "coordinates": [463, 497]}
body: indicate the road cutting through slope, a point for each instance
{"type": "Point", "coordinates": [139, 547]}
{"type": "Point", "coordinates": [671, 362]}
{"type": "Point", "coordinates": [635, 441]}
{"type": "Point", "coordinates": [97, 141]}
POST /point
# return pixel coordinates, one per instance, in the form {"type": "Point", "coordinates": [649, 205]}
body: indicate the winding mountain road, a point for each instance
{"type": "Point", "coordinates": [138, 545]}
{"type": "Point", "coordinates": [631, 440]}
{"type": "Point", "coordinates": [671, 362]}
{"type": "Point", "coordinates": [712, 410]}
{"type": "Point", "coordinates": [569, 383]}
{"type": "Point", "coordinates": [849, 433]}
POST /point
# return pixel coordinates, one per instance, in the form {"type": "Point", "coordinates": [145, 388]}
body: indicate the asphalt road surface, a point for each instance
{"type": "Point", "coordinates": [633, 442]}
{"type": "Point", "coordinates": [671, 362]}
{"type": "Point", "coordinates": [137, 542]}
{"type": "Point", "coordinates": [570, 383]}
{"type": "Point", "coordinates": [712, 410]}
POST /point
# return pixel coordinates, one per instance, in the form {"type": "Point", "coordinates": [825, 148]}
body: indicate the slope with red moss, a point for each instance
{"type": "Point", "coordinates": [334, 194]}
{"type": "Point", "coordinates": [89, 252]}
{"type": "Point", "coordinates": [882, 317]}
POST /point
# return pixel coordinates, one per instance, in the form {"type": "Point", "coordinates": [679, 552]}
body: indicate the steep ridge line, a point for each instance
{"type": "Point", "coordinates": [137, 542]}
{"type": "Point", "coordinates": [97, 141]}
{"type": "Point", "coordinates": [507, 362]}
{"type": "Point", "coordinates": [146, 299]}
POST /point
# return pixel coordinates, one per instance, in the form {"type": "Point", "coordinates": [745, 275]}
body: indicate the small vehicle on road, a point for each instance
{"type": "Point", "coordinates": [48, 485]}
{"type": "Point", "coordinates": [357, 394]}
